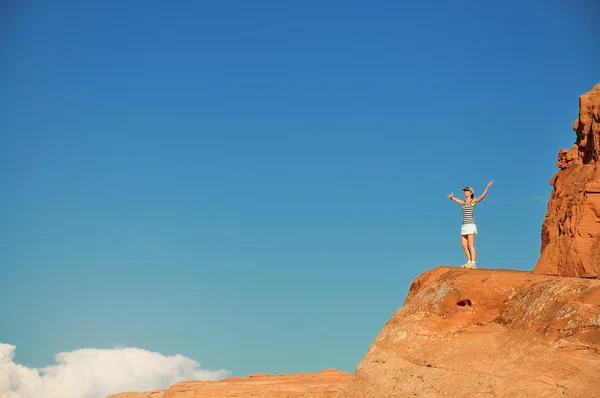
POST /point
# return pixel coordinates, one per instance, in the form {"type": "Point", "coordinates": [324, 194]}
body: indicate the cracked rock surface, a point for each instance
{"type": "Point", "coordinates": [487, 333]}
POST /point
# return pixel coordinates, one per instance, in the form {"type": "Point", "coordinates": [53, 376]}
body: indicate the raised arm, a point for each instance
{"type": "Point", "coordinates": [487, 188]}
{"type": "Point", "coordinates": [451, 196]}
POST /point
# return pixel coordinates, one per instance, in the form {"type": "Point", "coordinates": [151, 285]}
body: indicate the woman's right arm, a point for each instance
{"type": "Point", "coordinates": [451, 196]}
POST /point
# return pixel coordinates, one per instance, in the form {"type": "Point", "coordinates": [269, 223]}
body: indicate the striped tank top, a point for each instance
{"type": "Point", "coordinates": [467, 211]}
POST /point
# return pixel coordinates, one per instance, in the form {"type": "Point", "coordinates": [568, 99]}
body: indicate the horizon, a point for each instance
{"type": "Point", "coordinates": [234, 188]}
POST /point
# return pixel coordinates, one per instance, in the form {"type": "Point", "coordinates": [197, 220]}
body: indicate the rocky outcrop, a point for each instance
{"type": "Point", "coordinates": [324, 384]}
{"type": "Point", "coordinates": [484, 333]}
{"type": "Point", "coordinates": [571, 229]}
{"type": "Point", "coordinates": [477, 332]}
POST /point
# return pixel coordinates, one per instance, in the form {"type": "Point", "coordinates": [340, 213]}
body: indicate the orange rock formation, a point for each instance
{"type": "Point", "coordinates": [571, 229]}
{"type": "Point", "coordinates": [482, 333]}
{"type": "Point", "coordinates": [324, 384]}
{"type": "Point", "coordinates": [485, 333]}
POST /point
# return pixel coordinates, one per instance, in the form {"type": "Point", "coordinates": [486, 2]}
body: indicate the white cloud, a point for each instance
{"type": "Point", "coordinates": [97, 373]}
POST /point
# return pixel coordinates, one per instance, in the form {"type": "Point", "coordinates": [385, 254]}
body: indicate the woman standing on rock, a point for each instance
{"type": "Point", "coordinates": [469, 227]}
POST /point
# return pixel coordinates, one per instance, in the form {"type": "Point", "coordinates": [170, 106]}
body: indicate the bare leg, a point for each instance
{"type": "Point", "coordinates": [471, 246]}
{"type": "Point", "coordinates": [465, 245]}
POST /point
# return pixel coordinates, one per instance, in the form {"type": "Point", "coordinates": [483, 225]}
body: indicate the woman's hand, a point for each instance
{"type": "Point", "coordinates": [450, 196]}
{"type": "Point", "coordinates": [490, 183]}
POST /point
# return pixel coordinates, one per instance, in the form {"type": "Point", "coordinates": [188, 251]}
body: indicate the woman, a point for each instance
{"type": "Point", "coordinates": [469, 227]}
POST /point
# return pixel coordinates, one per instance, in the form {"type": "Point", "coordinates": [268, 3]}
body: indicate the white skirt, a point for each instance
{"type": "Point", "coordinates": [468, 229]}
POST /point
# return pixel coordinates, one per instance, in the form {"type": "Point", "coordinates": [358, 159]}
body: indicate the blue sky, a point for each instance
{"type": "Point", "coordinates": [254, 185]}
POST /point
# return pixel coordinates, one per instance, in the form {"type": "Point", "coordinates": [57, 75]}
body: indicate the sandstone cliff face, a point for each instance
{"type": "Point", "coordinates": [571, 229]}
{"type": "Point", "coordinates": [324, 384]}
{"type": "Point", "coordinates": [483, 333]}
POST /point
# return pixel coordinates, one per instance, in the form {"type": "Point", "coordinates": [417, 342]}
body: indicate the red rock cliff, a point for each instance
{"type": "Point", "coordinates": [486, 333]}
{"type": "Point", "coordinates": [571, 229]}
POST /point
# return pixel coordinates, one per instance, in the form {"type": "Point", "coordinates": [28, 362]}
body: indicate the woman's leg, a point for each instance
{"type": "Point", "coordinates": [465, 245]}
{"type": "Point", "coordinates": [471, 246]}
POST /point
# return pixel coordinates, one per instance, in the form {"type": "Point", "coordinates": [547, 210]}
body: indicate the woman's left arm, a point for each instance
{"type": "Point", "coordinates": [487, 188]}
